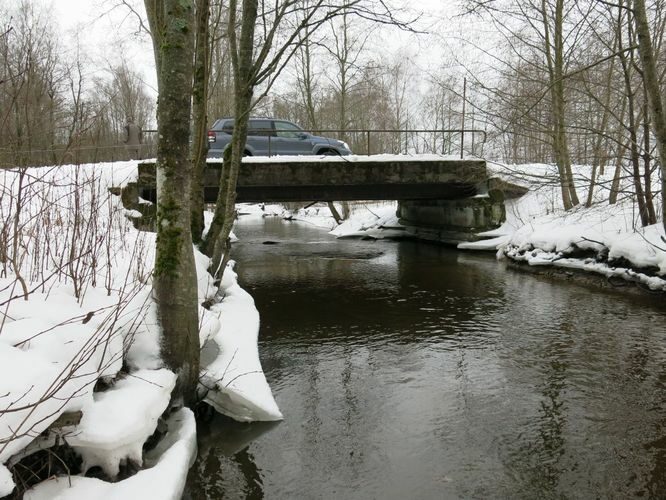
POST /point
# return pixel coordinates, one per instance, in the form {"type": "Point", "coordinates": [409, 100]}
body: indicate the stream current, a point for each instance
{"type": "Point", "coordinates": [407, 370]}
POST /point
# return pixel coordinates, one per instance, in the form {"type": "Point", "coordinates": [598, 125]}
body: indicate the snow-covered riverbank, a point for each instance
{"type": "Point", "coordinates": [79, 344]}
{"type": "Point", "coordinates": [605, 239]}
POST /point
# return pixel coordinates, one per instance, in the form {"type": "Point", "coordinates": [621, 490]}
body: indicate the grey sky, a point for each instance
{"type": "Point", "coordinates": [108, 36]}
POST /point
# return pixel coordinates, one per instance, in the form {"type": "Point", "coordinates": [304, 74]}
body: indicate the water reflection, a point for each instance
{"type": "Point", "coordinates": [224, 461]}
{"type": "Point", "coordinates": [407, 370]}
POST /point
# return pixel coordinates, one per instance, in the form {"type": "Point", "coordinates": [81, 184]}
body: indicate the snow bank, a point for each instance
{"type": "Point", "coordinates": [164, 479]}
{"type": "Point", "coordinates": [117, 423]}
{"type": "Point", "coordinates": [234, 383]}
{"type": "Point", "coordinates": [640, 250]}
{"type": "Point", "coordinates": [374, 220]}
{"type": "Point", "coordinates": [50, 362]}
{"type": "Point", "coordinates": [89, 308]}
{"type": "Point", "coordinates": [6, 481]}
{"type": "Point", "coordinates": [539, 231]}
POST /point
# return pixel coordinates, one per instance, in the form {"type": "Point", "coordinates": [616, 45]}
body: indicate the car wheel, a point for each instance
{"type": "Point", "coordinates": [330, 152]}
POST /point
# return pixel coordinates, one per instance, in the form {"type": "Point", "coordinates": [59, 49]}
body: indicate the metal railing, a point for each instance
{"type": "Point", "coordinates": [380, 141]}
{"type": "Point", "coordinates": [361, 141]}
{"type": "Point", "coordinates": [75, 154]}
{"type": "Point", "coordinates": [408, 141]}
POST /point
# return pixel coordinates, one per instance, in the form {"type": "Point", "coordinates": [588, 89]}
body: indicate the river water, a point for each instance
{"type": "Point", "coordinates": [407, 370]}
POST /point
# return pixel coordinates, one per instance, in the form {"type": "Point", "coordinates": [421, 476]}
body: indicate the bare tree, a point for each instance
{"type": "Point", "coordinates": [202, 64]}
{"type": "Point", "coordinates": [653, 90]}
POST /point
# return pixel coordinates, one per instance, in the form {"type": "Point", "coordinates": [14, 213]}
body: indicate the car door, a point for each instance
{"type": "Point", "coordinates": [291, 139]}
{"type": "Point", "coordinates": [261, 137]}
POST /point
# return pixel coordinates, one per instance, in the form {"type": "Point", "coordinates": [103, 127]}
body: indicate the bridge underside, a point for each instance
{"type": "Point", "coordinates": [341, 192]}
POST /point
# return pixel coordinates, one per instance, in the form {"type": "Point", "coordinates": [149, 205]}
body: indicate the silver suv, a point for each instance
{"type": "Point", "coordinates": [268, 137]}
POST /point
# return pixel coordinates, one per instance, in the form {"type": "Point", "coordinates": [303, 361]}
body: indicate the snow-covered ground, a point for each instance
{"type": "Point", "coordinates": [79, 339]}
{"type": "Point", "coordinates": [604, 238]}
{"type": "Point", "coordinates": [79, 334]}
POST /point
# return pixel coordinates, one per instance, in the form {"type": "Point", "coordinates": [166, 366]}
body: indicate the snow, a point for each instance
{"type": "Point", "coordinates": [378, 220]}
{"type": "Point", "coordinates": [6, 481]}
{"type": "Point", "coordinates": [108, 432]}
{"type": "Point", "coordinates": [58, 360]}
{"type": "Point", "coordinates": [539, 232]}
{"type": "Point", "coordinates": [234, 383]}
{"type": "Point", "coordinates": [89, 309]}
{"type": "Point", "coordinates": [164, 479]}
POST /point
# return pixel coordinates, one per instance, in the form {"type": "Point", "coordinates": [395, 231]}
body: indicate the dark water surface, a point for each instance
{"type": "Point", "coordinates": [412, 371]}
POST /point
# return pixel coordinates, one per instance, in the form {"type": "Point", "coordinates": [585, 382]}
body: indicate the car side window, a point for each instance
{"type": "Point", "coordinates": [286, 129]}
{"type": "Point", "coordinates": [228, 127]}
{"type": "Point", "coordinates": [263, 128]}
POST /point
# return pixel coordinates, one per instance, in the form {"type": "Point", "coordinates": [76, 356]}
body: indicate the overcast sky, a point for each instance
{"type": "Point", "coordinates": [109, 33]}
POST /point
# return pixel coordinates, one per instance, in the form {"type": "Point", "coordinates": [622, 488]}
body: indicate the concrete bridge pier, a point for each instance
{"type": "Point", "coordinates": [452, 221]}
{"type": "Point", "coordinates": [458, 220]}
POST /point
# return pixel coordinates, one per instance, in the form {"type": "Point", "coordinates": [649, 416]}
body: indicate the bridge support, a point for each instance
{"type": "Point", "coordinates": [453, 221]}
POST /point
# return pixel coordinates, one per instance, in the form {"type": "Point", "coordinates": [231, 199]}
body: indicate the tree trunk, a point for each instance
{"type": "Point", "coordinates": [647, 159]}
{"type": "Point", "coordinates": [334, 212]}
{"type": "Point", "coordinates": [615, 184]}
{"type": "Point", "coordinates": [200, 116]}
{"type": "Point", "coordinates": [217, 240]}
{"type": "Point", "coordinates": [555, 59]}
{"type": "Point", "coordinates": [599, 159]}
{"type": "Point", "coordinates": [632, 126]}
{"type": "Point", "coordinates": [654, 93]}
{"type": "Point", "coordinates": [174, 282]}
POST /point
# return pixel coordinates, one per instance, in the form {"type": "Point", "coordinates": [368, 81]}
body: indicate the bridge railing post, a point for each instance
{"type": "Point", "coordinates": [367, 135]}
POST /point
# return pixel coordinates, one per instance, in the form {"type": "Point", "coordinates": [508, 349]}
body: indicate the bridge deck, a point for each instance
{"type": "Point", "coordinates": [381, 177]}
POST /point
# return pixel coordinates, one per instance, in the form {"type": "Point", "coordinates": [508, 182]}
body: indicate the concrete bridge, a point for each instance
{"type": "Point", "coordinates": [440, 198]}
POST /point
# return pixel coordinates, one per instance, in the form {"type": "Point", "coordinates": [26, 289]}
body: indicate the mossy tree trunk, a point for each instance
{"type": "Point", "coordinates": [174, 282]}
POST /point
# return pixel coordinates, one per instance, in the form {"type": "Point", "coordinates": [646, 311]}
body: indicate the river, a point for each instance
{"type": "Point", "coordinates": [408, 370]}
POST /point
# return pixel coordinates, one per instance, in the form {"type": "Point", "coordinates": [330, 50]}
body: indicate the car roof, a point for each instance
{"type": "Point", "coordinates": [220, 121]}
